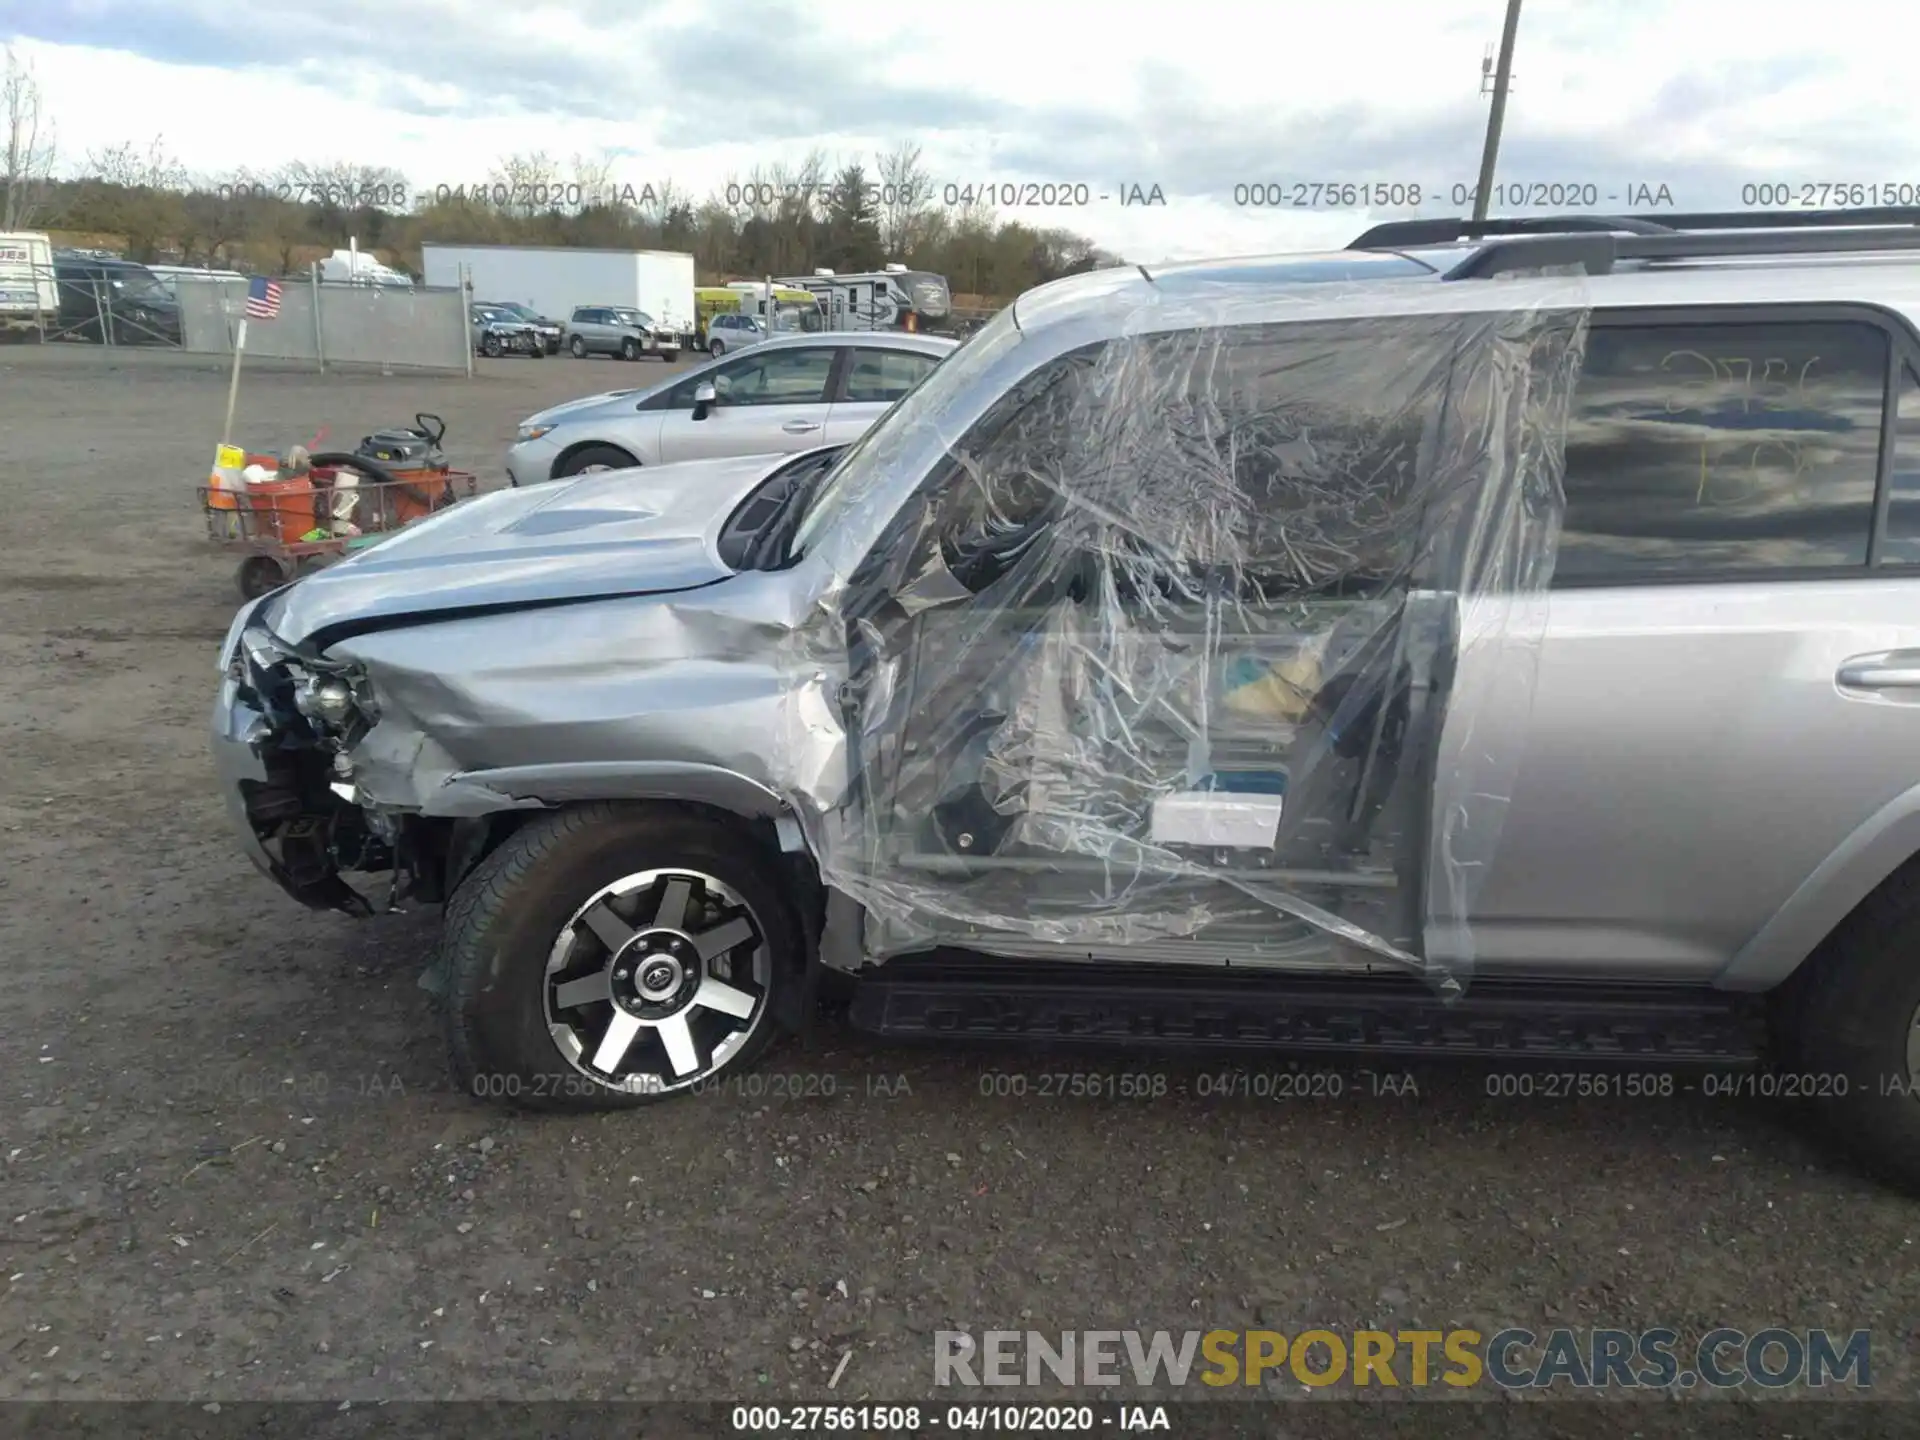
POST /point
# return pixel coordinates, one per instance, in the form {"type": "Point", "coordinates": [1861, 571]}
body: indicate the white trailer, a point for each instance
{"type": "Point", "coordinates": [892, 299]}
{"type": "Point", "coordinates": [29, 298]}
{"type": "Point", "coordinates": [556, 280]}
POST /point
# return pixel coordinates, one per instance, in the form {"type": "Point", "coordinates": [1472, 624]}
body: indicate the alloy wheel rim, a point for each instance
{"type": "Point", "coordinates": [657, 981]}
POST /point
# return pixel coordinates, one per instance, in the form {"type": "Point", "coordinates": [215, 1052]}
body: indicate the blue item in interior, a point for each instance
{"type": "Point", "coordinates": [1244, 670]}
{"type": "Point", "coordinates": [1245, 782]}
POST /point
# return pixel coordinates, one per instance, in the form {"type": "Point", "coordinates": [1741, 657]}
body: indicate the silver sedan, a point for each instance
{"type": "Point", "coordinates": [787, 394]}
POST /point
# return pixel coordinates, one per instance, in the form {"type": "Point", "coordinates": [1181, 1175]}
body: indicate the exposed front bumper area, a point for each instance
{"type": "Point", "coordinates": [240, 733]}
{"type": "Point", "coordinates": [287, 824]}
{"type": "Point", "coordinates": [278, 783]}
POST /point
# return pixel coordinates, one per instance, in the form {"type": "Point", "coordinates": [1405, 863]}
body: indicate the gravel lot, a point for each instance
{"type": "Point", "coordinates": [234, 1167]}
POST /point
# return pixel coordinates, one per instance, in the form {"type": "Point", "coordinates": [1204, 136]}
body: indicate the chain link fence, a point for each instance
{"type": "Point", "coordinates": [383, 325]}
{"type": "Point", "coordinates": [324, 324]}
{"type": "Point", "coordinates": [89, 303]}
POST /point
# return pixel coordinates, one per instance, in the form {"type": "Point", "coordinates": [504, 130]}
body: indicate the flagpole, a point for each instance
{"type": "Point", "coordinates": [233, 385]}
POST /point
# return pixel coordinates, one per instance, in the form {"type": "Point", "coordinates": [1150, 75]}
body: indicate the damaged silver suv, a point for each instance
{"type": "Point", "coordinates": [1496, 641]}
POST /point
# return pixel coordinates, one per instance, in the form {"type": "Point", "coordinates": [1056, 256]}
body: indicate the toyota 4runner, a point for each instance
{"type": "Point", "coordinates": [1491, 640]}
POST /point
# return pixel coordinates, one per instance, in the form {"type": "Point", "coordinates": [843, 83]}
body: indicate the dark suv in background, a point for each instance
{"type": "Point", "coordinates": [103, 297]}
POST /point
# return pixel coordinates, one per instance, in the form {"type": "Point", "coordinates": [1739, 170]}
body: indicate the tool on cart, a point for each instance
{"type": "Point", "coordinates": [290, 515]}
{"type": "Point", "coordinates": [415, 457]}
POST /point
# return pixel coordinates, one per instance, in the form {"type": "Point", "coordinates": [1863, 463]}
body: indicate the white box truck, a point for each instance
{"type": "Point", "coordinates": [29, 297]}
{"type": "Point", "coordinates": [556, 280]}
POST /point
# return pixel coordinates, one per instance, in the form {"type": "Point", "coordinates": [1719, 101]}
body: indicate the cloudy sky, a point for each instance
{"type": "Point", "coordinates": [1703, 97]}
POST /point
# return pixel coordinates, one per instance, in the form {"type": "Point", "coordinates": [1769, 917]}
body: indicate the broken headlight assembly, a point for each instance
{"type": "Point", "coordinates": [334, 698]}
{"type": "Point", "coordinates": [327, 699]}
{"type": "Point", "coordinates": [336, 701]}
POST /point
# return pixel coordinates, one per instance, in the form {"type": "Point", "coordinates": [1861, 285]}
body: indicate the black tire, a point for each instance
{"type": "Point", "coordinates": [506, 916]}
{"type": "Point", "coordinates": [716, 348]}
{"type": "Point", "coordinates": [610, 456]}
{"type": "Point", "coordinates": [259, 574]}
{"type": "Point", "coordinates": [629, 349]}
{"type": "Point", "coordinates": [578, 348]}
{"type": "Point", "coordinates": [490, 346]}
{"type": "Point", "coordinates": [1847, 1020]}
{"type": "Point", "coordinates": [539, 351]}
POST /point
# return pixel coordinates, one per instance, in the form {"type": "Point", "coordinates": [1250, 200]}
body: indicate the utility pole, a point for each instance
{"type": "Point", "coordinates": [1502, 76]}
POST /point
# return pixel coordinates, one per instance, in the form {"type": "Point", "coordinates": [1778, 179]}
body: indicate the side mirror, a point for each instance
{"type": "Point", "coordinates": [704, 399]}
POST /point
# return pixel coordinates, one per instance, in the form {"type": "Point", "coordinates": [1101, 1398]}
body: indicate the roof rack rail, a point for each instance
{"type": "Point", "coordinates": [1597, 254]}
{"type": "Point", "coordinates": [1403, 234]}
{"type": "Point", "coordinates": [1789, 219]}
{"type": "Point", "coordinates": [1406, 234]}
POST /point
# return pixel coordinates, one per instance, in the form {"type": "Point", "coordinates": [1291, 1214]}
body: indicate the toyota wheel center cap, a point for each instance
{"type": "Point", "coordinates": [660, 976]}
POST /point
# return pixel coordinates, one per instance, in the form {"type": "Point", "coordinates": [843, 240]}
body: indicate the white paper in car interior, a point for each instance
{"type": "Point", "coordinates": [1213, 819]}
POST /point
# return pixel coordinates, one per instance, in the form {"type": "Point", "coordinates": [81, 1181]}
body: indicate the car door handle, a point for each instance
{"type": "Point", "coordinates": [801, 427]}
{"type": "Point", "coordinates": [1889, 670]}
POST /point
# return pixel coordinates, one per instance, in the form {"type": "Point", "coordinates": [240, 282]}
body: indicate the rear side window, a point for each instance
{"type": "Point", "coordinates": [1902, 545]}
{"type": "Point", "coordinates": [1701, 449]}
{"type": "Point", "coordinates": [885, 375]}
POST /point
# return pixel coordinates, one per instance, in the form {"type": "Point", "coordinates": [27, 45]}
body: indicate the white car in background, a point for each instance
{"type": "Point", "coordinates": [787, 394]}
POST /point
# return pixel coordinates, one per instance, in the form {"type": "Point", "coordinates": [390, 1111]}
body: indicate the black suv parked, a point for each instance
{"type": "Point", "coordinates": [99, 296]}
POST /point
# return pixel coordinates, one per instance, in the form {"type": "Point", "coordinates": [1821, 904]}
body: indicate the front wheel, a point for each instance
{"type": "Point", "coordinates": [578, 347]}
{"type": "Point", "coordinates": [629, 349]}
{"type": "Point", "coordinates": [592, 458]}
{"type": "Point", "coordinates": [716, 348]}
{"type": "Point", "coordinates": [491, 347]}
{"type": "Point", "coordinates": [611, 955]}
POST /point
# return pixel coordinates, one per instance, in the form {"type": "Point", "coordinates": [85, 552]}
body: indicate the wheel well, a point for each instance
{"type": "Point", "coordinates": [468, 841]}
{"type": "Point", "coordinates": [575, 448]}
{"type": "Point", "coordinates": [1871, 911]}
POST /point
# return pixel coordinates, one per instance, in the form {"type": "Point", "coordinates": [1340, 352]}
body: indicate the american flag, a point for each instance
{"type": "Point", "coordinates": [263, 299]}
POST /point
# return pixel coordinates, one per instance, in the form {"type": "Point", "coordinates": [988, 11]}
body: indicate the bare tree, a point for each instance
{"type": "Point", "coordinates": [28, 177]}
{"type": "Point", "coordinates": [139, 194]}
{"type": "Point", "coordinates": [592, 182]}
{"type": "Point", "coordinates": [343, 185]}
{"type": "Point", "coordinates": [784, 244]}
{"type": "Point", "coordinates": [755, 198]}
{"type": "Point", "coordinates": [526, 185]}
{"type": "Point", "coordinates": [906, 200]}
{"type": "Point", "coordinates": [125, 165]}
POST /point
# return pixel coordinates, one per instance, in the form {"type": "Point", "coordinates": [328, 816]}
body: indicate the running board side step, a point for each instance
{"type": "Point", "coordinates": [1199, 1012]}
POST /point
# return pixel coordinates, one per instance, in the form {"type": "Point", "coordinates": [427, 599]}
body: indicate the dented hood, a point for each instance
{"type": "Point", "coordinates": [620, 532]}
